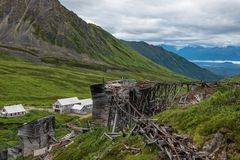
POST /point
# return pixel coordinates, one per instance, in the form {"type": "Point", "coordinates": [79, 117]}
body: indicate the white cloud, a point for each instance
{"type": "Point", "coordinates": [180, 22]}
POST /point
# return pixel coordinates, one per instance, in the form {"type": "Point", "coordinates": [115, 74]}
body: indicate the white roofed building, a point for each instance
{"type": "Point", "coordinates": [65, 105]}
{"type": "Point", "coordinates": [84, 108]}
{"type": "Point", "coordinates": [13, 111]}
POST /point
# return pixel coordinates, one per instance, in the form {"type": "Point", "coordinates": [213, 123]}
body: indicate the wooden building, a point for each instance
{"type": "Point", "coordinates": [13, 111]}
{"type": "Point", "coordinates": [65, 105]}
{"type": "Point", "coordinates": [85, 107]}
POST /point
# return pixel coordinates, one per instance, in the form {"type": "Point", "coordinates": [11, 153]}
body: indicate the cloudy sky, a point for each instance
{"type": "Point", "coordinates": [179, 22]}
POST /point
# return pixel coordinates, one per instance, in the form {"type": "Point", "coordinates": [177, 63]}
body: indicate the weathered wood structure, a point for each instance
{"type": "Point", "coordinates": [129, 106]}
{"type": "Point", "coordinates": [3, 154]}
{"type": "Point", "coordinates": [101, 104]}
{"type": "Point", "coordinates": [146, 98]}
{"type": "Point", "coordinates": [37, 136]}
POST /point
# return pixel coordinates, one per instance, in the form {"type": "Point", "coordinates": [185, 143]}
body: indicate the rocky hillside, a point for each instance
{"type": "Point", "coordinates": [45, 31]}
{"type": "Point", "coordinates": [172, 61]}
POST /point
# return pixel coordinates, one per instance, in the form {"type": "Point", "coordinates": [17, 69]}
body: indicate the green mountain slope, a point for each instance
{"type": "Point", "coordinates": [40, 85]}
{"type": "Point", "coordinates": [172, 61]}
{"type": "Point", "coordinates": [45, 31]}
{"type": "Point", "coordinates": [220, 114]}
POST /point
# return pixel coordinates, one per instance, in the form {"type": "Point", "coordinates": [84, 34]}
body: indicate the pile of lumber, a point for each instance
{"type": "Point", "coordinates": [173, 147]}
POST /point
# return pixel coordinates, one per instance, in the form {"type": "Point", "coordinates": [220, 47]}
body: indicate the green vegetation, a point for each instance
{"type": "Point", "coordinates": [233, 79]}
{"type": "Point", "coordinates": [40, 85]}
{"type": "Point", "coordinates": [93, 145]}
{"type": "Point", "coordinates": [60, 37]}
{"type": "Point", "coordinates": [8, 126]}
{"type": "Point", "coordinates": [220, 113]}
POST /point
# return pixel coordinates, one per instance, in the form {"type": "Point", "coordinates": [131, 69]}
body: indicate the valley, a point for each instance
{"type": "Point", "coordinates": [146, 102]}
{"type": "Point", "coordinates": [223, 61]}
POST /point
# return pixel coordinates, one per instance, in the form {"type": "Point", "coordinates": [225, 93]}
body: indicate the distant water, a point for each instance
{"type": "Point", "coordinates": [215, 61]}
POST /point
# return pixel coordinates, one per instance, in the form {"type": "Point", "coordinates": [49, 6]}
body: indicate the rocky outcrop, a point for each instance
{"type": "Point", "coordinates": [48, 29]}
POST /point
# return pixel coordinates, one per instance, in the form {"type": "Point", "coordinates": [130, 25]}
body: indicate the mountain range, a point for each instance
{"type": "Point", "coordinates": [224, 61]}
{"type": "Point", "coordinates": [206, 53]}
{"type": "Point", "coordinates": [172, 61]}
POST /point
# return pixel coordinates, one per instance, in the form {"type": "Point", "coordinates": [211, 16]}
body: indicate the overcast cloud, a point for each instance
{"type": "Point", "coordinates": [179, 22]}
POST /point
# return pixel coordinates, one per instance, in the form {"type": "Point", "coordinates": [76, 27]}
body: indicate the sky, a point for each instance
{"type": "Point", "coordinates": [176, 22]}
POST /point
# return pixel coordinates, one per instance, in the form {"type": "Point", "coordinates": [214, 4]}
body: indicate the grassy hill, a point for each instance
{"type": "Point", "coordinates": [233, 79]}
{"type": "Point", "coordinates": [94, 145]}
{"type": "Point", "coordinates": [40, 85]}
{"type": "Point", "coordinates": [172, 61]}
{"type": "Point", "coordinates": [220, 113]}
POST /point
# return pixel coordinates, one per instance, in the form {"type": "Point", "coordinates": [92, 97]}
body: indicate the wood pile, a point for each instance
{"type": "Point", "coordinates": [173, 147]}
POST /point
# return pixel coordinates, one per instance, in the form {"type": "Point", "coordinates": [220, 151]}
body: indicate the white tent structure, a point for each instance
{"type": "Point", "coordinates": [13, 111]}
{"type": "Point", "coordinates": [84, 108]}
{"type": "Point", "coordinates": [65, 105]}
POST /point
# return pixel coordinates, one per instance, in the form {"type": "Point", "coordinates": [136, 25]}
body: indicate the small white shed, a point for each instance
{"type": "Point", "coordinates": [13, 111]}
{"type": "Point", "coordinates": [65, 105]}
{"type": "Point", "coordinates": [85, 107]}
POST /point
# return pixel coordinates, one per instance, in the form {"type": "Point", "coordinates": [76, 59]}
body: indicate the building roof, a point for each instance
{"type": "Point", "coordinates": [86, 101]}
{"type": "Point", "coordinates": [69, 101]}
{"type": "Point", "coordinates": [14, 108]}
{"type": "Point", "coordinates": [83, 102]}
{"type": "Point", "coordinates": [78, 107]}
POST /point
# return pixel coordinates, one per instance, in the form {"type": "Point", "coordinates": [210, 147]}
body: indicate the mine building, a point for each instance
{"type": "Point", "coordinates": [13, 111]}
{"type": "Point", "coordinates": [121, 82]}
{"type": "Point", "coordinates": [85, 107]}
{"type": "Point", "coordinates": [37, 136]}
{"type": "Point", "coordinates": [65, 105]}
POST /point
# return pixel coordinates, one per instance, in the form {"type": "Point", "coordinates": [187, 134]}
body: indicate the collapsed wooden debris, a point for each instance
{"type": "Point", "coordinates": [78, 130]}
{"type": "Point", "coordinates": [129, 106]}
{"type": "Point", "coordinates": [132, 149]}
{"type": "Point", "coordinates": [174, 147]}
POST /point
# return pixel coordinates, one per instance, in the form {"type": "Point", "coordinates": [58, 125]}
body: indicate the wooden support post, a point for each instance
{"type": "Point", "coordinates": [115, 121]}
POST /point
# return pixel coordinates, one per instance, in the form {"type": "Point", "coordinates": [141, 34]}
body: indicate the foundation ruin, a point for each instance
{"type": "Point", "coordinates": [37, 136]}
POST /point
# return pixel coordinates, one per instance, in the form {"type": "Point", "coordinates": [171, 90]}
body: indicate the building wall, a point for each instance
{"type": "Point", "coordinates": [85, 110]}
{"type": "Point", "coordinates": [32, 144]}
{"type": "Point", "coordinates": [101, 104]}
{"type": "Point", "coordinates": [37, 135]}
{"type": "Point", "coordinates": [62, 109]}
{"type": "Point", "coordinates": [4, 155]}
{"type": "Point", "coordinates": [66, 109]}
{"type": "Point", "coordinates": [15, 114]}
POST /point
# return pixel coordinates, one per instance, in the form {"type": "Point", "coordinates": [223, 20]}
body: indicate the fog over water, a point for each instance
{"type": "Point", "coordinates": [215, 61]}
